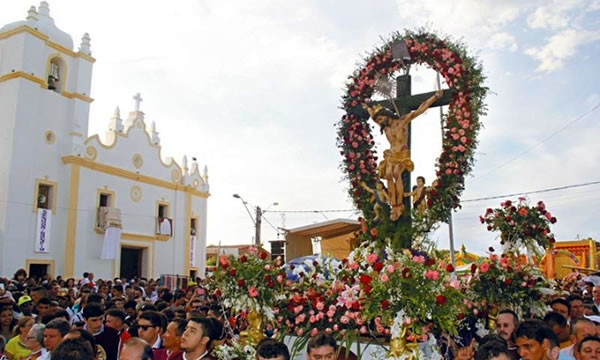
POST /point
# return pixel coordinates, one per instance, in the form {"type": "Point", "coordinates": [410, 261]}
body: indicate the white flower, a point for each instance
{"type": "Point", "coordinates": [481, 330]}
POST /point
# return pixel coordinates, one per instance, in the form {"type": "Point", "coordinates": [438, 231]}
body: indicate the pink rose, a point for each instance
{"type": "Point", "coordinates": [363, 330]}
{"type": "Point", "coordinates": [300, 318]}
{"type": "Point", "coordinates": [371, 258]}
{"type": "Point", "coordinates": [390, 268]}
{"type": "Point", "coordinates": [312, 319]}
{"type": "Point", "coordinates": [320, 305]}
{"type": "Point", "coordinates": [419, 259]}
{"type": "Point", "coordinates": [298, 309]}
{"type": "Point", "coordinates": [314, 332]}
{"type": "Point", "coordinates": [252, 292]}
{"type": "Point", "coordinates": [280, 278]}
{"type": "Point", "coordinates": [484, 267]}
{"type": "Point", "coordinates": [267, 267]}
{"type": "Point", "coordinates": [336, 327]}
{"type": "Point", "coordinates": [384, 277]}
{"type": "Point", "coordinates": [432, 274]}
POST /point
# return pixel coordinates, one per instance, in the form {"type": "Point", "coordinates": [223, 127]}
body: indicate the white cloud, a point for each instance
{"type": "Point", "coordinates": [593, 99]}
{"type": "Point", "coordinates": [552, 16]}
{"type": "Point", "coordinates": [503, 40]}
{"type": "Point", "coordinates": [560, 47]}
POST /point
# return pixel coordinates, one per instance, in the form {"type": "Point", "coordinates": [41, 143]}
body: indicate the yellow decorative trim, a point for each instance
{"type": "Point", "coordinates": [49, 262]}
{"type": "Point", "coordinates": [44, 181]}
{"type": "Point", "coordinates": [72, 222]}
{"type": "Point", "coordinates": [143, 237]}
{"type": "Point", "coordinates": [188, 223]}
{"type": "Point", "coordinates": [136, 244]}
{"type": "Point", "coordinates": [49, 137]}
{"type": "Point", "coordinates": [106, 191]}
{"type": "Point", "coordinates": [162, 237]}
{"type": "Point", "coordinates": [99, 230]}
{"type": "Point", "coordinates": [91, 153]}
{"type": "Point", "coordinates": [176, 175]}
{"type": "Point", "coordinates": [50, 43]}
{"type": "Point", "coordinates": [135, 193]}
{"type": "Point", "coordinates": [79, 96]}
{"type": "Point", "coordinates": [43, 84]}
{"type": "Point", "coordinates": [137, 160]}
{"type": "Point", "coordinates": [75, 133]}
{"type": "Point", "coordinates": [126, 135]}
{"type": "Point", "coordinates": [22, 74]}
{"type": "Point", "coordinates": [112, 170]}
{"type": "Point", "coordinates": [165, 203]}
{"type": "Point", "coordinates": [195, 183]}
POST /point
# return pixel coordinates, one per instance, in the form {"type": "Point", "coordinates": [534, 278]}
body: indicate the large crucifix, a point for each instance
{"type": "Point", "coordinates": [394, 116]}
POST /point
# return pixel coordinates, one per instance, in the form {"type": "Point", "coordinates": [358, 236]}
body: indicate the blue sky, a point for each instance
{"type": "Point", "coordinates": [252, 89]}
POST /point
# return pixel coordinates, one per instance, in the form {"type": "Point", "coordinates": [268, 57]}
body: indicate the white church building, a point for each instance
{"type": "Point", "coordinates": [72, 203]}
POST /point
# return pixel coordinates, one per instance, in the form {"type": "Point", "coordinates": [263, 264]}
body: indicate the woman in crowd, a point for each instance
{"type": "Point", "coordinates": [17, 349]}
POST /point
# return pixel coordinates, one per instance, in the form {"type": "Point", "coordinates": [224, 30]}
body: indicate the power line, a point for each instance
{"type": "Point", "coordinates": [542, 142]}
{"type": "Point", "coordinates": [533, 192]}
{"type": "Point", "coordinates": [268, 222]}
{"type": "Point", "coordinates": [314, 211]}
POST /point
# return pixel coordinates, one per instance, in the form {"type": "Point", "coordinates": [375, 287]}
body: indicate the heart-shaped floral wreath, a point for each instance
{"type": "Point", "coordinates": [464, 75]}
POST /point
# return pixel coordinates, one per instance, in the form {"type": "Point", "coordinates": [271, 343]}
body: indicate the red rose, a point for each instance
{"type": "Point", "coordinates": [365, 279]}
{"type": "Point", "coordinates": [429, 262]}
{"type": "Point", "coordinates": [473, 268]}
{"type": "Point", "coordinates": [232, 272]}
{"type": "Point", "coordinates": [377, 266]}
{"type": "Point", "coordinates": [218, 293]}
{"type": "Point", "coordinates": [267, 277]}
{"type": "Point", "coordinates": [508, 281]}
{"type": "Point", "coordinates": [368, 289]}
{"type": "Point", "coordinates": [553, 220]}
{"type": "Point", "coordinates": [449, 268]}
{"type": "Point", "coordinates": [406, 273]}
{"type": "Point", "coordinates": [355, 306]}
{"type": "Point", "coordinates": [243, 258]}
{"type": "Point", "coordinates": [460, 316]}
{"type": "Point", "coordinates": [263, 255]}
{"type": "Point", "coordinates": [441, 300]}
{"type": "Point", "coordinates": [241, 282]}
{"type": "Point", "coordinates": [385, 304]}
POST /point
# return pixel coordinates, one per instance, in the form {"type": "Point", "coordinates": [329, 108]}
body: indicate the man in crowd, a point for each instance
{"type": "Point", "coordinates": [577, 307]}
{"type": "Point", "coordinates": [580, 329]}
{"type": "Point", "coordinates": [43, 309]}
{"type": "Point", "coordinates": [136, 349]}
{"type": "Point", "coordinates": [54, 332]}
{"type": "Point", "coordinates": [150, 328]}
{"type": "Point", "coordinates": [323, 346]}
{"type": "Point", "coordinates": [596, 296]}
{"type": "Point", "coordinates": [25, 305]}
{"type": "Point", "coordinates": [106, 338]}
{"type": "Point", "coordinates": [116, 319]}
{"type": "Point", "coordinates": [561, 306]}
{"type": "Point", "coordinates": [172, 341]}
{"type": "Point", "coordinates": [197, 338]}
{"type": "Point", "coordinates": [588, 348]}
{"type": "Point", "coordinates": [73, 349]}
{"type": "Point", "coordinates": [270, 349]}
{"type": "Point", "coordinates": [558, 323]}
{"type": "Point", "coordinates": [506, 324]}
{"type": "Point", "coordinates": [533, 340]}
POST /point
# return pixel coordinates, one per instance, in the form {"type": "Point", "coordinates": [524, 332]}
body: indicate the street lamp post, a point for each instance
{"type": "Point", "coordinates": [258, 221]}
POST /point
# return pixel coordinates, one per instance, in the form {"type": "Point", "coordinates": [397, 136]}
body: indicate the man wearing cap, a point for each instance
{"type": "Point", "coordinates": [64, 301]}
{"type": "Point", "coordinates": [25, 305]}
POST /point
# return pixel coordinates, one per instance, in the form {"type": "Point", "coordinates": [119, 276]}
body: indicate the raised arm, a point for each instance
{"type": "Point", "coordinates": [425, 105]}
{"type": "Point", "coordinates": [368, 189]}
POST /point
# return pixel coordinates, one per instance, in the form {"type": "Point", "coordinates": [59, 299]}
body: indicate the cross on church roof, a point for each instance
{"type": "Point", "coordinates": [138, 99]}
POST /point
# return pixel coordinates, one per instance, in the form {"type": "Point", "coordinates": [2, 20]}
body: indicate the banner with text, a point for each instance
{"type": "Point", "coordinates": [42, 231]}
{"type": "Point", "coordinates": [193, 251]}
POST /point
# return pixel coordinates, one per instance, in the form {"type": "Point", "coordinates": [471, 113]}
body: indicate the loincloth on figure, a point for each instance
{"type": "Point", "coordinates": [395, 158]}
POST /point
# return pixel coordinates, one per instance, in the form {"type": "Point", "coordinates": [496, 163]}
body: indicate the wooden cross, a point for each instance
{"type": "Point", "coordinates": [405, 103]}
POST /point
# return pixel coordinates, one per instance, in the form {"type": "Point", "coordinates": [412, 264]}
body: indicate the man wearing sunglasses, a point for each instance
{"type": "Point", "coordinates": [150, 326]}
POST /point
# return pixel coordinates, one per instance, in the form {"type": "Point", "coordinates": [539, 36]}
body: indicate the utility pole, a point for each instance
{"type": "Point", "coordinates": [257, 224]}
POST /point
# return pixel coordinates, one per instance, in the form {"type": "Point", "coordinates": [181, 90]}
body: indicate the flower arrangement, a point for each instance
{"type": "Point", "coordinates": [382, 294]}
{"type": "Point", "coordinates": [250, 282]}
{"type": "Point", "coordinates": [521, 225]}
{"type": "Point", "coordinates": [506, 281]}
{"type": "Point", "coordinates": [234, 350]}
{"type": "Point", "coordinates": [355, 140]}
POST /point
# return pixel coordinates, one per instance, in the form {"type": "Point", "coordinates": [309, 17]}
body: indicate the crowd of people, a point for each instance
{"type": "Point", "coordinates": [137, 319]}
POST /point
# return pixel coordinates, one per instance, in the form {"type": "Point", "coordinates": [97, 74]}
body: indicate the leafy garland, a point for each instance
{"type": "Point", "coordinates": [461, 126]}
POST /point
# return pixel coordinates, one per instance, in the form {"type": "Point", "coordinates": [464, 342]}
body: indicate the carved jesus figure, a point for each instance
{"type": "Point", "coordinates": [396, 160]}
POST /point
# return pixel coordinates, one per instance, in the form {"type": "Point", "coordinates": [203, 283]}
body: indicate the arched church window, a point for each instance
{"type": "Point", "coordinates": [56, 74]}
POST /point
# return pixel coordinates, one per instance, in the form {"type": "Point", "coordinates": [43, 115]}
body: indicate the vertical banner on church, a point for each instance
{"type": "Point", "coordinates": [193, 251]}
{"type": "Point", "coordinates": [42, 231]}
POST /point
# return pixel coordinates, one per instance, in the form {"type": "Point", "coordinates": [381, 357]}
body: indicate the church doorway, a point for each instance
{"type": "Point", "coordinates": [131, 262]}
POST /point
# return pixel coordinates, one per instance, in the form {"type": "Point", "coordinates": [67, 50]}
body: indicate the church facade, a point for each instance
{"type": "Point", "coordinates": [72, 203]}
